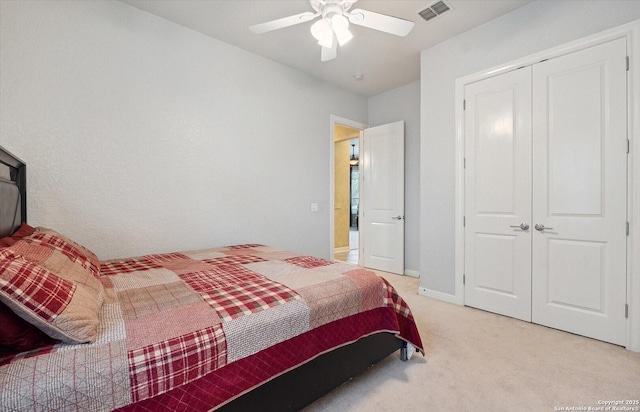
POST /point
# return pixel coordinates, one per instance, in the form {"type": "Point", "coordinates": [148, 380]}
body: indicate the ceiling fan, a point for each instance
{"type": "Point", "coordinates": [333, 28]}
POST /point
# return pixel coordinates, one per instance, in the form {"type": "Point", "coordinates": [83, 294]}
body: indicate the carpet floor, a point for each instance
{"type": "Point", "coordinates": [480, 361]}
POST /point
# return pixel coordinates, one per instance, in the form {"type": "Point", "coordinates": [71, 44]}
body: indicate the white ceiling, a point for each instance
{"type": "Point", "coordinates": [386, 61]}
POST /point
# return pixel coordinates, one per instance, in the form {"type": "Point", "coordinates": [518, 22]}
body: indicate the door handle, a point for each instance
{"type": "Point", "coordinates": [399, 217]}
{"type": "Point", "coordinates": [522, 226]}
{"type": "Point", "coordinates": [540, 227]}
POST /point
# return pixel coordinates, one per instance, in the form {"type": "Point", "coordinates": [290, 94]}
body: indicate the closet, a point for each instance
{"type": "Point", "coordinates": [545, 192]}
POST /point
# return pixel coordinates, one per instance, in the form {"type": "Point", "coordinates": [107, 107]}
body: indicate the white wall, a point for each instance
{"type": "Point", "coordinates": [533, 28]}
{"type": "Point", "coordinates": [143, 136]}
{"type": "Point", "coordinates": [403, 103]}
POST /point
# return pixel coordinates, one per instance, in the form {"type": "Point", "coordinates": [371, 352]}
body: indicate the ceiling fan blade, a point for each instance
{"type": "Point", "coordinates": [382, 22]}
{"type": "Point", "coordinates": [283, 22]}
{"type": "Point", "coordinates": [329, 53]}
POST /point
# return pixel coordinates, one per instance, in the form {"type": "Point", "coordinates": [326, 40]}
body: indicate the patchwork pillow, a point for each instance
{"type": "Point", "coordinates": [73, 250]}
{"type": "Point", "coordinates": [61, 262]}
{"type": "Point", "coordinates": [64, 304]}
{"type": "Point", "coordinates": [18, 335]}
{"type": "Point", "coordinates": [23, 231]}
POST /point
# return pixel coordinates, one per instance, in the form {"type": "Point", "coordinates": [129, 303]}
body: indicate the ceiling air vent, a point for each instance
{"type": "Point", "coordinates": [435, 10]}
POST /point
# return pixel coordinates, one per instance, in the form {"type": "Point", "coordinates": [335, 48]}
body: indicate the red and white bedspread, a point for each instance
{"type": "Point", "coordinates": [201, 328]}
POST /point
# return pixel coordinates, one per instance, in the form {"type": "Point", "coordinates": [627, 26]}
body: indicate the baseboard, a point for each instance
{"type": "Point", "coordinates": [412, 273]}
{"type": "Point", "coordinates": [434, 294]}
{"type": "Point", "coordinates": [341, 249]}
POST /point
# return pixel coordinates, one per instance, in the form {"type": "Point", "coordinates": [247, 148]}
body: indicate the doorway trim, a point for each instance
{"type": "Point", "coordinates": [335, 120]}
{"type": "Point", "coordinates": [630, 31]}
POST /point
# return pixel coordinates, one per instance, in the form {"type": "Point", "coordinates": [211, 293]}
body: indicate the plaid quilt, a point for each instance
{"type": "Point", "coordinates": [194, 330]}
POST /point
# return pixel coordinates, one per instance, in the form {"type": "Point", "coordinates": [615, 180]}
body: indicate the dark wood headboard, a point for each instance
{"type": "Point", "coordinates": [13, 193]}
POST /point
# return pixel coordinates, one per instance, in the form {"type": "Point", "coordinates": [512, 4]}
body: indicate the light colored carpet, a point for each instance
{"type": "Point", "coordinates": [479, 361]}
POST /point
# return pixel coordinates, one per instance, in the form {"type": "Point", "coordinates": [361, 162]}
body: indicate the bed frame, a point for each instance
{"type": "Point", "coordinates": [13, 193]}
{"type": "Point", "coordinates": [291, 391]}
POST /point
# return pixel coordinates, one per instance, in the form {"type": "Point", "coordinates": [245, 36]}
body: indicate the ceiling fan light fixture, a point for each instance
{"type": "Point", "coordinates": [340, 26]}
{"type": "Point", "coordinates": [332, 29]}
{"type": "Point", "coordinates": [344, 37]}
{"type": "Point", "coordinates": [322, 31]}
{"type": "Point", "coordinates": [327, 44]}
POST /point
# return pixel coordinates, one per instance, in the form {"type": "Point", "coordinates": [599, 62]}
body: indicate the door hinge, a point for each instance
{"type": "Point", "coordinates": [464, 221]}
{"type": "Point", "coordinates": [627, 228]}
{"type": "Point", "coordinates": [626, 311]}
{"type": "Point", "coordinates": [627, 63]}
{"type": "Point", "coordinates": [464, 162]}
{"type": "Point", "coordinates": [464, 104]}
{"type": "Point", "coordinates": [464, 279]}
{"type": "Point", "coordinates": [628, 145]}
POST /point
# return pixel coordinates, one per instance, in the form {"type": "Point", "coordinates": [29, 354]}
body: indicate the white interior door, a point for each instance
{"type": "Point", "coordinates": [498, 194]}
{"type": "Point", "coordinates": [579, 192]}
{"type": "Point", "coordinates": [382, 197]}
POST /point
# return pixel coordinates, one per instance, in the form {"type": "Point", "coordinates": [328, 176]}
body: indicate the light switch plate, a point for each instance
{"type": "Point", "coordinates": [314, 207]}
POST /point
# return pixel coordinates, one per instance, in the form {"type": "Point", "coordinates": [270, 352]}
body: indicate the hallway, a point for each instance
{"type": "Point", "coordinates": [350, 256]}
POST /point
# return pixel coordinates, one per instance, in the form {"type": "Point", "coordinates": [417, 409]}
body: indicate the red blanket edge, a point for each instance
{"type": "Point", "coordinates": [232, 381]}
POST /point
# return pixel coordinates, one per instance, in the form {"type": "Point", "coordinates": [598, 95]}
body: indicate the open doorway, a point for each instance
{"type": "Point", "coordinates": [380, 205]}
{"type": "Point", "coordinates": [346, 193]}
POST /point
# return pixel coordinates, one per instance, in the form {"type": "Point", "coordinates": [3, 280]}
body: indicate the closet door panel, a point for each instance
{"type": "Point", "coordinates": [579, 192]}
{"type": "Point", "coordinates": [498, 194]}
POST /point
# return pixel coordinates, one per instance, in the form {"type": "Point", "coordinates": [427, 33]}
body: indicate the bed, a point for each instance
{"type": "Point", "coordinates": [242, 327]}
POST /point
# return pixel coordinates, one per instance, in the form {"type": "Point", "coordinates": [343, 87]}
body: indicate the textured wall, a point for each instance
{"type": "Point", "coordinates": [143, 136]}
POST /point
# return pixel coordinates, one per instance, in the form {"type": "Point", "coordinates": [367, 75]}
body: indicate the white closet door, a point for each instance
{"type": "Point", "coordinates": [579, 192]}
{"type": "Point", "coordinates": [498, 194]}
